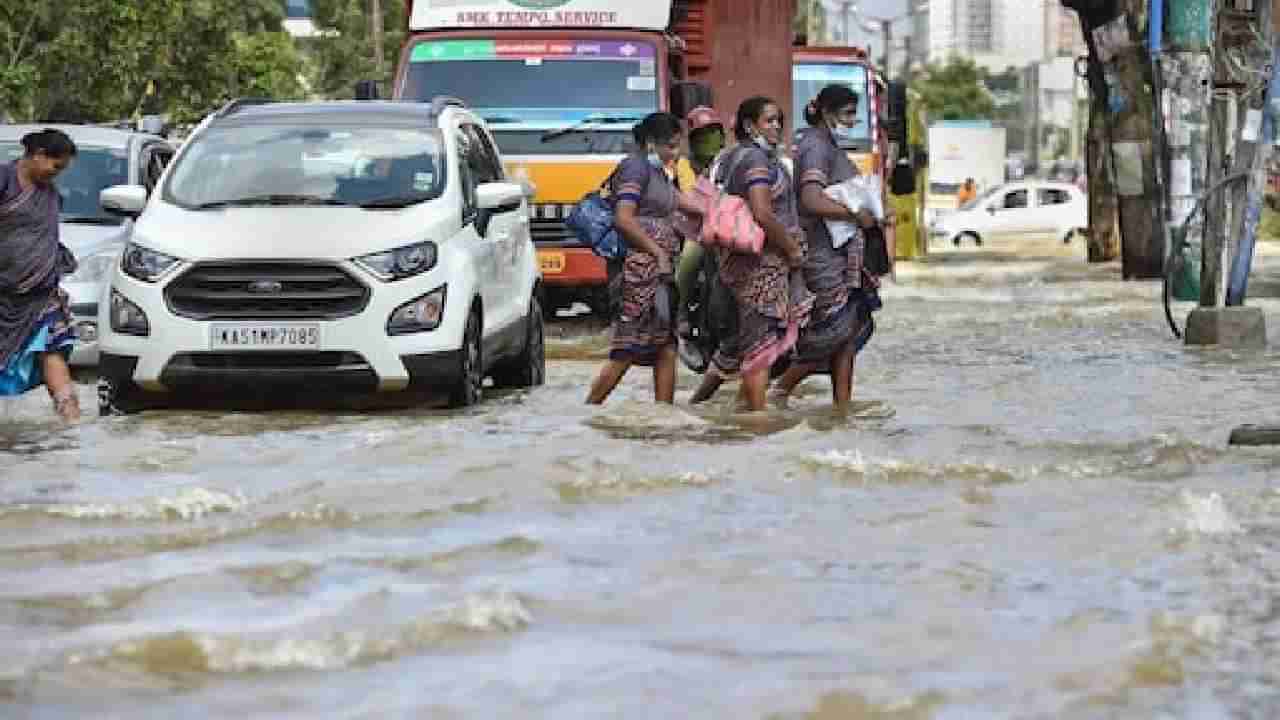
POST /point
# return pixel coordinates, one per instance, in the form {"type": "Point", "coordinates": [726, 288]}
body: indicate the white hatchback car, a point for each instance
{"type": "Point", "coordinates": [1014, 209]}
{"type": "Point", "coordinates": [322, 250]}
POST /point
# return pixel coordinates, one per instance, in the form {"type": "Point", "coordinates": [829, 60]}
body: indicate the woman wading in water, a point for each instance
{"type": "Point", "coordinates": [773, 302]}
{"type": "Point", "coordinates": [646, 202]}
{"type": "Point", "coordinates": [36, 335]}
{"type": "Point", "coordinates": [846, 293]}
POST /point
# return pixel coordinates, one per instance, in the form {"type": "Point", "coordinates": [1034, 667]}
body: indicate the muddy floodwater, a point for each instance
{"type": "Point", "coordinates": [1032, 512]}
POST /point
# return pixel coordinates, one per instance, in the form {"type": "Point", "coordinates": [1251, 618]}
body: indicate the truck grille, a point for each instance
{"type": "Point", "coordinates": [266, 291]}
{"type": "Point", "coordinates": [546, 224]}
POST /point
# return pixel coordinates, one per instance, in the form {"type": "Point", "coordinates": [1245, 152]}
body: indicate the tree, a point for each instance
{"type": "Point", "coordinates": [342, 52]}
{"type": "Point", "coordinates": [810, 22]}
{"type": "Point", "coordinates": [104, 60]}
{"type": "Point", "coordinates": [955, 91]}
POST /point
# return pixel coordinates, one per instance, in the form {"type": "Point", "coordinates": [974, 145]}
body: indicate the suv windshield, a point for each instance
{"type": "Point", "coordinates": [532, 91]}
{"type": "Point", "coordinates": [93, 170]}
{"type": "Point", "coordinates": [306, 164]}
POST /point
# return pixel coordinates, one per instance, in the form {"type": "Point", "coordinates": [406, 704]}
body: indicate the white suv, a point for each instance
{"type": "Point", "coordinates": [344, 248]}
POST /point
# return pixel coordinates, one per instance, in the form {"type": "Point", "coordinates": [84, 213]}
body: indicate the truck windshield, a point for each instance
{"type": "Point", "coordinates": [808, 79]}
{"type": "Point", "coordinates": [531, 92]}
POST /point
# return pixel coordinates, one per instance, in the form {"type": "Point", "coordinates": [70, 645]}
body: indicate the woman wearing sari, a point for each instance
{"type": "Point", "coordinates": [646, 200]}
{"type": "Point", "coordinates": [846, 293]}
{"type": "Point", "coordinates": [36, 335]}
{"type": "Point", "coordinates": [773, 302]}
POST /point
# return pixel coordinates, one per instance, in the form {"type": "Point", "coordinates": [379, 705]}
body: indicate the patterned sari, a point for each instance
{"type": "Point", "coordinates": [34, 316]}
{"type": "Point", "coordinates": [773, 302]}
{"type": "Point", "coordinates": [846, 293]}
{"type": "Point", "coordinates": [643, 328]}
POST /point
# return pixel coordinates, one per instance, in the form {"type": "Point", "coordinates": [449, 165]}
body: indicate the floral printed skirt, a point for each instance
{"type": "Point", "coordinates": [53, 333]}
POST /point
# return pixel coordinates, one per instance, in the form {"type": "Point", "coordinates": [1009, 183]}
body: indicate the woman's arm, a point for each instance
{"type": "Point", "coordinates": [816, 202]}
{"type": "Point", "coordinates": [776, 234]}
{"type": "Point", "coordinates": [625, 221]}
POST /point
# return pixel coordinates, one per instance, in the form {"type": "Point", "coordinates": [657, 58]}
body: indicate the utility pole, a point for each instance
{"type": "Point", "coordinates": [1104, 231]}
{"type": "Point", "coordinates": [375, 27]}
{"type": "Point", "coordinates": [1122, 107]}
{"type": "Point", "coordinates": [1244, 132]}
{"type": "Point", "coordinates": [886, 27]}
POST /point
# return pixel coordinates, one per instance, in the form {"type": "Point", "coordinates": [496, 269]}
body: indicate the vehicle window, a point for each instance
{"type": "Point", "coordinates": [488, 155]}
{"type": "Point", "coordinates": [155, 159]}
{"type": "Point", "coordinates": [808, 79]}
{"type": "Point", "coordinates": [1015, 200]}
{"type": "Point", "coordinates": [283, 163]}
{"type": "Point", "coordinates": [1053, 196]}
{"type": "Point", "coordinates": [467, 174]}
{"type": "Point", "coordinates": [484, 166]}
{"type": "Point", "coordinates": [93, 170]}
{"type": "Point", "coordinates": [526, 88]}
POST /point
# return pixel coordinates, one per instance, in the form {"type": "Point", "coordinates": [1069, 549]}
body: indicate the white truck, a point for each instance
{"type": "Point", "coordinates": [959, 150]}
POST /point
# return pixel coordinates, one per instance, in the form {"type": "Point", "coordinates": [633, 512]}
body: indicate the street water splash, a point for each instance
{"type": "Point", "coordinates": [1030, 511]}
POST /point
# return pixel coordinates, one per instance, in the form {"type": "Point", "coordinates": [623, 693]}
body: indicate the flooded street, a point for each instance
{"type": "Point", "coordinates": [1032, 513]}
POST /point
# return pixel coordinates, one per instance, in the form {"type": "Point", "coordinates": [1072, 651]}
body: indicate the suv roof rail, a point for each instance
{"type": "Point", "coordinates": [440, 102]}
{"type": "Point", "coordinates": [240, 103]}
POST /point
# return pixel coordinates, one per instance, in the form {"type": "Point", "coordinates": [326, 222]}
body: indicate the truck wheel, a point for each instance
{"type": "Point", "coordinates": [118, 396]}
{"type": "Point", "coordinates": [529, 368]}
{"type": "Point", "coordinates": [470, 380]}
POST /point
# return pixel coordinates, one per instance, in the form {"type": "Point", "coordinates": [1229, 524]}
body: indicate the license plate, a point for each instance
{"type": "Point", "coordinates": [552, 263]}
{"type": "Point", "coordinates": [280, 336]}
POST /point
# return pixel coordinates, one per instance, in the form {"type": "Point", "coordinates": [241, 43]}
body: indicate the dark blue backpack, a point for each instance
{"type": "Point", "coordinates": [591, 220]}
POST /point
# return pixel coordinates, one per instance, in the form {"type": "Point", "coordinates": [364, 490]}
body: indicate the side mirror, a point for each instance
{"type": "Point", "coordinates": [367, 90]}
{"type": "Point", "coordinates": [499, 196]}
{"type": "Point", "coordinates": [686, 96]}
{"type": "Point", "coordinates": [124, 200]}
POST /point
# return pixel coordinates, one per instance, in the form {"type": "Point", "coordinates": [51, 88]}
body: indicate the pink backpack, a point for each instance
{"type": "Point", "coordinates": [728, 221]}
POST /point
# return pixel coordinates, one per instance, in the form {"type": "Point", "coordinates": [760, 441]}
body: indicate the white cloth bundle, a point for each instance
{"type": "Point", "coordinates": [856, 193]}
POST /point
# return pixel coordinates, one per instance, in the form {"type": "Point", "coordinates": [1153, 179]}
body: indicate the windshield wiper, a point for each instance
{"type": "Point", "coordinates": [394, 203]}
{"type": "Point", "coordinates": [90, 220]}
{"type": "Point", "coordinates": [278, 199]}
{"type": "Point", "coordinates": [582, 124]}
{"type": "Point", "coordinates": [502, 120]}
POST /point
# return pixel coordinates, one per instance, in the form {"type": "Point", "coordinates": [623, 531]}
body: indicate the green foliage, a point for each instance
{"type": "Point", "coordinates": [104, 60]}
{"type": "Point", "coordinates": [955, 91]}
{"type": "Point", "coordinates": [343, 53]}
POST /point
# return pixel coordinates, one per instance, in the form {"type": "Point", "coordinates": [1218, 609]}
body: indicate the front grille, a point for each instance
{"type": "Point", "coordinates": [266, 291]}
{"type": "Point", "coordinates": [267, 360]}
{"type": "Point", "coordinates": [546, 224]}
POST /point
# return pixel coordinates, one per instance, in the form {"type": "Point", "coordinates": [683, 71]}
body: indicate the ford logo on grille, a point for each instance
{"type": "Point", "coordinates": [265, 287]}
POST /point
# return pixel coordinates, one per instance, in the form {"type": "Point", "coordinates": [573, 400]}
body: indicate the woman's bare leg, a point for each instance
{"type": "Point", "coordinates": [711, 383]}
{"type": "Point", "coordinates": [610, 375]}
{"type": "Point", "coordinates": [755, 387]}
{"type": "Point", "coordinates": [793, 376]}
{"type": "Point", "coordinates": [664, 375]}
{"type": "Point", "coordinates": [842, 377]}
{"type": "Point", "coordinates": [57, 378]}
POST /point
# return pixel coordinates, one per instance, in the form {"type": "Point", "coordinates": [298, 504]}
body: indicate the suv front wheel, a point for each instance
{"type": "Point", "coordinates": [118, 396]}
{"type": "Point", "coordinates": [470, 381]}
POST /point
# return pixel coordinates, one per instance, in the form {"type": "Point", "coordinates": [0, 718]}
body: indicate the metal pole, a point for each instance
{"type": "Point", "coordinates": [887, 25]}
{"type": "Point", "coordinates": [375, 27]}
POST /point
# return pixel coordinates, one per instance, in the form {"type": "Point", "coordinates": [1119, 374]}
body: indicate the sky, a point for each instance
{"type": "Point", "coordinates": [876, 8]}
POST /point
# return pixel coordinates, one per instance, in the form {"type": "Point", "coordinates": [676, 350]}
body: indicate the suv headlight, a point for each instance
{"type": "Point", "coordinates": [400, 263]}
{"type": "Point", "coordinates": [94, 268]}
{"type": "Point", "coordinates": [146, 265]}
